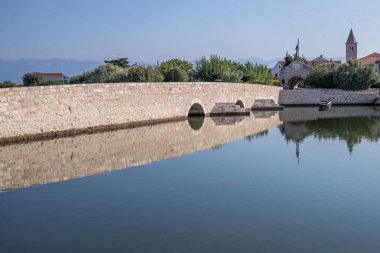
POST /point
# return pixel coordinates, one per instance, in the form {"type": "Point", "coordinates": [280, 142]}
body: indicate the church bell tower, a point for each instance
{"type": "Point", "coordinates": [351, 47]}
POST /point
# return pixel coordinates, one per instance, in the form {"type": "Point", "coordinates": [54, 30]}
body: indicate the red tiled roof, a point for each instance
{"type": "Point", "coordinates": [51, 74]}
{"type": "Point", "coordinates": [372, 58]}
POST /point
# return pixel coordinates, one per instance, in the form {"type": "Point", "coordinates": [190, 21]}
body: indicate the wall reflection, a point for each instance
{"type": "Point", "coordinates": [42, 162]}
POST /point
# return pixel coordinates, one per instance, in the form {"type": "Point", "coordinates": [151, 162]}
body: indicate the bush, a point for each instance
{"type": "Point", "coordinates": [354, 76]}
{"type": "Point", "coordinates": [176, 75]}
{"type": "Point", "coordinates": [232, 77]}
{"type": "Point", "coordinates": [7, 84]}
{"type": "Point", "coordinates": [213, 69]}
{"type": "Point", "coordinates": [322, 76]}
{"type": "Point", "coordinates": [256, 73]}
{"type": "Point", "coordinates": [142, 74]}
{"type": "Point", "coordinates": [349, 76]}
{"type": "Point", "coordinates": [175, 70]}
{"type": "Point", "coordinates": [30, 79]}
{"type": "Point", "coordinates": [107, 73]}
{"type": "Point", "coordinates": [50, 82]}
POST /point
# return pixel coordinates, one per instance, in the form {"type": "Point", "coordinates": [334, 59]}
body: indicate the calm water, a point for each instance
{"type": "Point", "coordinates": [298, 181]}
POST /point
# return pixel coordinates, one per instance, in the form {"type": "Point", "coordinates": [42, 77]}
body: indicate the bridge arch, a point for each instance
{"type": "Point", "coordinates": [240, 103]}
{"type": "Point", "coordinates": [294, 82]}
{"type": "Point", "coordinates": [196, 109]}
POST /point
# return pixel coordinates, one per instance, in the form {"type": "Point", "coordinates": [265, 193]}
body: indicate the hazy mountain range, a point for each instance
{"type": "Point", "coordinates": [13, 70]}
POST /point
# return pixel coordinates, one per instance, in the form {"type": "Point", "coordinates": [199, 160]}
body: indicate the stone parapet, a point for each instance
{"type": "Point", "coordinates": [35, 112]}
{"type": "Point", "coordinates": [315, 96]}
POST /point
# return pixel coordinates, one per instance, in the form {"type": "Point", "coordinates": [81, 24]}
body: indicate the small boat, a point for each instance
{"type": "Point", "coordinates": [325, 105]}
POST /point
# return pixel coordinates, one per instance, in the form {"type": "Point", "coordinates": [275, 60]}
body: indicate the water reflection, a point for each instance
{"type": "Point", "coordinates": [196, 122]}
{"type": "Point", "coordinates": [349, 124]}
{"type": "Point", "coordinates": [42, 162]}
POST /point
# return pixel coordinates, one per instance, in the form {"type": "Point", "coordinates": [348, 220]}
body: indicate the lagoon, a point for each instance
{"type": "Point", "coordinates": [295, 181]}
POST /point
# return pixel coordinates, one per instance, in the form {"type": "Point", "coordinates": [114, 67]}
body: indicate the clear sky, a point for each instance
{"type": "Point", "coordinates": [150, 30]}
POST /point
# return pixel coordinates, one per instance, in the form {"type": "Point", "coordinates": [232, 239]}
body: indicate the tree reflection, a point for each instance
{"type": "Point", "coordinates": [352, 130]}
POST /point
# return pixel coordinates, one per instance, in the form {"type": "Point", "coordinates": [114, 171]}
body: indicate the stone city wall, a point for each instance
{"type": "Point", "coordinates": [339, 97]}
{"type": "Point", "coordinates": [54, 160]}
{"type": "Point", "coordinates": [33, 112]}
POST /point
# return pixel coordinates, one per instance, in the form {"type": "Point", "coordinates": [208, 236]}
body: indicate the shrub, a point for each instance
{"type": "Point", "coordinates": [256, 73]}
{"type": "Point", "coordinates": [142, 74]}
{"type": "Point", "coordinates": [176, 75]}
{"type": "Point", "coordinates": [349, 76]}
{"type": "Point", "coordinates": [30, 79]}
{"type": "Point", "coordinates": [213, 69]}
{"type": "Point", "coordinates": [7, 84]}
{"type": "Point", "coordinates": [107, 73]}
{"type": "Point", "coordinates": [175, 70]}
{"type": "Point", "coordinates": [49, 82]}
{"type": "Point", "coordinates": [322, 76]}
{"type": "Point", "coordinates": [354, 76]}
{"type": "Point", "coordinates": [232, 77]}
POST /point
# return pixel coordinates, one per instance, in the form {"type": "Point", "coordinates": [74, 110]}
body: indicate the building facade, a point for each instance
{"type": "Point", "coordinates": [275, 71]}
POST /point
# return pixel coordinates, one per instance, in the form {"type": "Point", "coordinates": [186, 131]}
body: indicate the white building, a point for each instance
{"type": "Point", "coordinates": [275, 71]}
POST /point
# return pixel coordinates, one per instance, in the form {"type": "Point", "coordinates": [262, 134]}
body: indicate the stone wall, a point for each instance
{"type": "Point", "coordinates": [54, 160]}
{"type": "Point", "coordinates": [33, 112]}
{"type": "Point", "coordinates": [309, 113]}
{"type": "Point", "coordinates": [339, 97]}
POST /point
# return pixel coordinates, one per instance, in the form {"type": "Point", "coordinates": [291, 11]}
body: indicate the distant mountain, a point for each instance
{"type": "Point", "coordinates": [13, 70]}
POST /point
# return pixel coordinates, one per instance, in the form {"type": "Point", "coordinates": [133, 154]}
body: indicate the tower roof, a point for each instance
{"type": "Point", "coordinates": [351, 38]}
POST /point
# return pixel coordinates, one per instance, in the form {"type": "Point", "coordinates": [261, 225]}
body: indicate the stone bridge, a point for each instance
{"type": "Point", "coordinates": [35, 112]}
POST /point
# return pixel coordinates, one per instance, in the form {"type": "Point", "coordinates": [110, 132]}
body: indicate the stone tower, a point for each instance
{"type": "Point", "coordinates": [351, 47]}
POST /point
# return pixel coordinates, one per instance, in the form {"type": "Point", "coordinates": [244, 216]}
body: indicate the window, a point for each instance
{"type": "Point", "coordinates": [352, 49]}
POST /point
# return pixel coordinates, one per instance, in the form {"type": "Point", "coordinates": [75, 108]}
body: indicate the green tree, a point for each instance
{"type": "Point", "coordinates": [49, 83]}
{"type": "Point", "coordinates": [176, 75]}
{"type": "Point", "coordinates": [322, 76]}
{"type": "Point", "coordinates": [119, 62]}
{"type": "Point", "coordinates": [256, 73]}
{"type": "Point", "coordinates": [7, 84]}
{"type": "Point", "coordinates": [175, 70]}
{"type": "Point", "coordinates": [107, 73]}
{"type": "Point", "coordinates": [354, 76]}
{"type": "Point", "coordinates": [288, 59]}
{"type": "Point", "coordinates": [213, 69]}
{"type": "Point", "coordinates": [349, 76]}
{"type": "Point", "coordinates": [144, 74]}
{"type": "Point", "coordinates": [33, 78]}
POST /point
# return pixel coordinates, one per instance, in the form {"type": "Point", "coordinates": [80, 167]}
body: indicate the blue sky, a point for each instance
{"type": "Point", "coordinates": [147, 30]}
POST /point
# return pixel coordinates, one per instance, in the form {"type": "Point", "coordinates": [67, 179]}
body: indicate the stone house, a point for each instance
{"type": "Point", "coordinates": [275, 71]}
{"type": "Point", "coordinates": [370, 59]}
{"type": "Point", "coordinates": [55, 77]}
{"type": "Point", "coordinates": [321, 60]}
